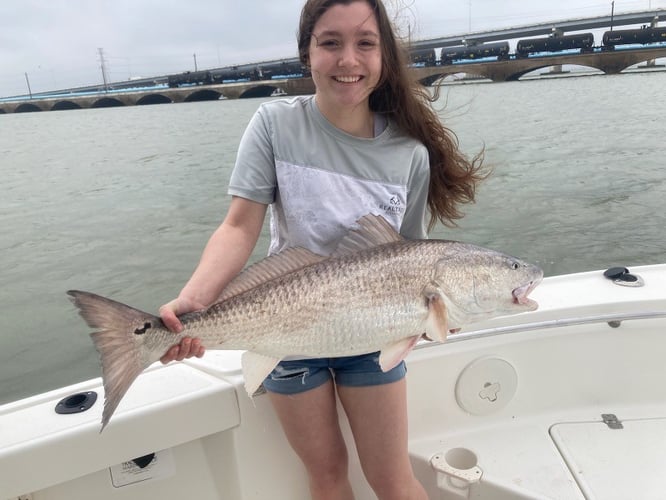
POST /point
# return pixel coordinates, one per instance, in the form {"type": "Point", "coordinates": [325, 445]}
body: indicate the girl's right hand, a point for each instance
{"type": "Point", "coordinates": [188, 346]}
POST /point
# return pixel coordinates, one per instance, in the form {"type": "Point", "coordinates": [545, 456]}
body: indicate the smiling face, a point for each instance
{"type": "Point", "coordinates": [345, 57]}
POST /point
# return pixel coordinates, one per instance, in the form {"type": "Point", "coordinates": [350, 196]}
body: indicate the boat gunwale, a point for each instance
{"type": "Point", "coordinates": [613, 320]}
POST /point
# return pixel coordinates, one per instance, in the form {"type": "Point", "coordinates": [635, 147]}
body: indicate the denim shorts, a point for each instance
{"type": "Point", "coordinates": [295, 376]}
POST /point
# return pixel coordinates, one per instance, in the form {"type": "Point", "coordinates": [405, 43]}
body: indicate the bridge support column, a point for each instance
{"type": "Point", "coordinates": [556, 70]}
{"type": "Point", "coordinates": [652, 63]}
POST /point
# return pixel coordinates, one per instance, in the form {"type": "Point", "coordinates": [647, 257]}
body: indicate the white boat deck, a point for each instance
{"type": "Point", "coordinates": [511, 410]}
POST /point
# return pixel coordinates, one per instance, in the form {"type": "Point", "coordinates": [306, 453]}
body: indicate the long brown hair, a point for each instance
{"type": "Point", "coordinates": [453, 176]}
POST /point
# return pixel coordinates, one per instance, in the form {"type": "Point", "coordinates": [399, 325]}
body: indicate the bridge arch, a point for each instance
{"type": "Point", "coordinates": [203, 95]}
{"type": "Point", "coordinates": [518, 75]}
{"type": "Point", "coordinates": [626, 60]}
{"type": "Point", "coordinates": [154, 99]}
{"type": "Point", "coordinates": [27, 107]}
{"type": "Point", "coordinates": [107, 102]}
{"type": "Point", "coordinates": [454, 74]}
{"type": "Point", "coordinates": [62, 105]}
{"type": "Point", "coordinates": [258, 91]}
{"type": "Point", "coordinates": [430, 80]}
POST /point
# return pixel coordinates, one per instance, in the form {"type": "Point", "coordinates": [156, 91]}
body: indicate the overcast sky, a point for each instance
{"type": "Point", "coordinates": [56, 42]}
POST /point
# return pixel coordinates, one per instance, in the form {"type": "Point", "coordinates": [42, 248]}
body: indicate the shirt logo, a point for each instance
{"type": "Point", "coordinates": [394, 205]}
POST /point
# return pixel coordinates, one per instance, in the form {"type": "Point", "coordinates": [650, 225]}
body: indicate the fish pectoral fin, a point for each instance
{"type": "Point", "coordinates": [256, 368]}
{"type": "Point", "coordinates": [393, 354]}
{"type": "Point", "coordinates": [436, 323]}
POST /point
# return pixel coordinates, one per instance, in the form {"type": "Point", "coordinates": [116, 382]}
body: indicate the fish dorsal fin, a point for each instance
{"type": "Point", "coordinates": [372, 231]}
{"type": "Point", "coordinates": [270, 268]}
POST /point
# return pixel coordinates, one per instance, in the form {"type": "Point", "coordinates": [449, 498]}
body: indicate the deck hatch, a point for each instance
{"type": "Point", "coordinates": [615, 463]}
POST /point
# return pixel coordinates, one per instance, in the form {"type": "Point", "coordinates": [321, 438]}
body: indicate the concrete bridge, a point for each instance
{"type": "Point", "coordinates": [291, 86]}
{"type": "Point", "coordinates": [610, 62]}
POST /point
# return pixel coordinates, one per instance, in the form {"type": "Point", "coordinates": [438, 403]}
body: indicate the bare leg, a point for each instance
{"type": "Point", "coordinates": [310, 422]}
{"type": "Point", "coordinates": [378, 418]}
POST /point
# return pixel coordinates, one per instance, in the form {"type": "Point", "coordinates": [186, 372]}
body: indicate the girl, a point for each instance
{"type": "Point", "coordinates": [366, 142]}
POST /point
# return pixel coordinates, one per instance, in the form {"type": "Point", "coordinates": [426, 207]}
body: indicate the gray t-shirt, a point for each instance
{"type": "Point", "coordinates": [319, 180]}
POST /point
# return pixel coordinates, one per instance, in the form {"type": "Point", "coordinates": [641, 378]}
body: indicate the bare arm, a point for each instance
{"type": "Point", "coordinates": [224, 256]}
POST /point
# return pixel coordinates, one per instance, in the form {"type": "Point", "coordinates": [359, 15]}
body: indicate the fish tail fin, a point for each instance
{"type": "Point", "coordinates": [118, 342]}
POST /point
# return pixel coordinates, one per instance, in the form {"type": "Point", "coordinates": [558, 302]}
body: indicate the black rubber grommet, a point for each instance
{"type": "Point", "coordinates": [76, 403]}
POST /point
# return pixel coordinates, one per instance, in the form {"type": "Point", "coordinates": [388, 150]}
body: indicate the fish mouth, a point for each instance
{"type": "Point", "coordinates": [520, 295]}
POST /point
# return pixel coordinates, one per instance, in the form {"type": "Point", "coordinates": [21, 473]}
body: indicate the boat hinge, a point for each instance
{"type": "Point", "coordinates": [612, 421]}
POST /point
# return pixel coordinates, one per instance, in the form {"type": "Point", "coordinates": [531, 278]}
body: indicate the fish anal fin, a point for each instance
{"type": "Point", "coordinates": [371, 231]}
{"type": "Point", "coordinates": [393, 354]}
{"type": "Point", "coordinates": [256, 368]}
{"type": "Point", "coordinates": [436, 323]}
{"type": "Point", "coordinates": [270, 268]}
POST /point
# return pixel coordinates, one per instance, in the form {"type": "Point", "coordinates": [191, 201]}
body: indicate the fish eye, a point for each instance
{"type": "Point", "coordinates": [515, 266]}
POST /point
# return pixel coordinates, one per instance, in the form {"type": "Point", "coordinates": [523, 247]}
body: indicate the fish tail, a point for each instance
{"type": "Point", "coordinates": [118, 341]}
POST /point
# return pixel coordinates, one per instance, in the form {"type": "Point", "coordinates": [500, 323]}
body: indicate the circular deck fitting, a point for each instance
{"type": "Point", "coordinates": [621, 276]}
{"type": "Point", "coordinates": [486, 385]}
{"type": "Point", "coordinates": [76, 403]}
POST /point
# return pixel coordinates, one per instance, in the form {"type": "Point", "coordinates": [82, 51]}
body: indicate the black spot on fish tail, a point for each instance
{"type": "Point", "coordinates": [123, 356]}
{"type": "Point", "coordinates": [146, 326]}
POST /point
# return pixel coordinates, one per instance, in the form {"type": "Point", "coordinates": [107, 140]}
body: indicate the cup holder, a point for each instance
{"type": "Point", "coordinates": [457, 468]}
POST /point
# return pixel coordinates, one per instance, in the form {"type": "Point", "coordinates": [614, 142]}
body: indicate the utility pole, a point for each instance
{"type": "Point", "coordinates": [612, 14]}
{"type": "Point", "coordinates": [195, 61]}
{"type": "Point", "coordinates": [28, 82]}
{"type": "Point", "coordinates": [103, 66]}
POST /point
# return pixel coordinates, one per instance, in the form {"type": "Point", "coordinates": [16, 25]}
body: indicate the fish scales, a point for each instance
{"type": "Point", "coordinates": [377, 292]}
{"type": "Point", "coordinates": [324, 307]}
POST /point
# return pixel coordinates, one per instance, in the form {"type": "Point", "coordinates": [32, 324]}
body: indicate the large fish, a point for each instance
{"type": "Point", "coordinates": [376, 292]}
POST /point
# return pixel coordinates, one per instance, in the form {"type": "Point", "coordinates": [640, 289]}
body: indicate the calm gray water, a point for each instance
{"type": "Point", "coordinates": [121, 201]}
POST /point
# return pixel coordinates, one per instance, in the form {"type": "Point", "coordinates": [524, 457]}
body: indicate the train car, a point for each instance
{"type": "Point", "coordinates": [555, 43]}
{"type": "Point", "coordinates": [282, 69]}
{"type": "Point", "coordinates": [423, 57]}
{"type": "Point", "coordinates": [260, 71]}
{"type": "Point", "coordinates": [243, 73]}
{"type": "Point", "coordinates": [642, 36]}
{"type": "Point", "coordinates": [499, 50]}
{"type": "Point", "coordinates": [190, 78]}
{"type": "Point", "coordinates": [230, 74]}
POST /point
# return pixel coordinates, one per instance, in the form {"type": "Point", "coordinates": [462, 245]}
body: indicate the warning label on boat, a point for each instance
{"type": "Point", "coordinates": [150, 467]}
